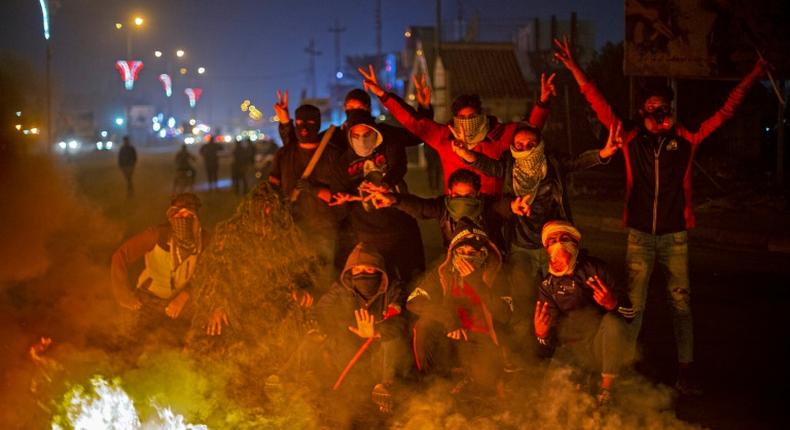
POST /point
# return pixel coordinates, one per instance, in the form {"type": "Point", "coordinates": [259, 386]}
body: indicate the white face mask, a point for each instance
{"type": "Point", "coordinates": [365, 144]}
{"type": "Point", "coordinates": [562, 258]}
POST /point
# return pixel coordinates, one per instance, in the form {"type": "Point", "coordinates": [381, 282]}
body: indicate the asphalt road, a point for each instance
{"type": "Point", "coordinates": [740, 299]}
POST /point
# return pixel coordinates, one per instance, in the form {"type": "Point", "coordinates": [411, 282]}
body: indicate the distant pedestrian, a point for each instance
{"type": "Point", "coordinates": [127, 159]}
{"type": "Point", "coordinates": [210, 153]}
{"type": "Point", "coordinates": [239, 167]}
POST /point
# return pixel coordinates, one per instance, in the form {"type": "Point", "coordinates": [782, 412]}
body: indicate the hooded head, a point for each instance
{"type": "Point", "coordinates": [183, 219]}
{"type": "Point", "coordinates": [365, 272]}
{"type": "Point", "coordinates": [471, 254]}
{"type": "Point", "coordinates": [530, 165]}
{"type": "Point", "coordinates": [561, 240]}
{"type": "Point", "coordinates": [356, 99]}
{"type": "Point", "coordinates": [362, 134]}
{"type": "Point", "coordinates": [656, 109]}
{"type": "Point", "coordinates": [308, 123]}
{"type": "Point", "coordinates": [470, 126]}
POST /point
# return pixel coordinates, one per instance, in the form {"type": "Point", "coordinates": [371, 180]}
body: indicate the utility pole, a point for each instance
{"type": "Point", "coordinates": [312, 53]}
{"type": "Point", "coordinates": [337, 30]}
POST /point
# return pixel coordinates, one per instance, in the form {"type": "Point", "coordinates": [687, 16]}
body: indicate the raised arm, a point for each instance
{"type": "Point", "coordinates": [540, 112]}
{"type": "Point", "coordinates": [728, 110]}
{"type": "Point", "coordinates": [597, 101]}
{"type": "Point", "coordinates": [480, 161]}
{"type": "Point", "coordinates": [424, 128]}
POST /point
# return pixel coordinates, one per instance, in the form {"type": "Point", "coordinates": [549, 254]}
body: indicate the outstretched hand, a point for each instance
{"type": "Point", "coordinates": [365, 324]}
{"type": "Point", "coordinates": [520, 205]}
{"type": "Point", "coordinates": [614, 142]}
{"type": "Point", "coordinates": [601, 293]}
{"type": "Point", "coordinates": [338, 199]}
{"type": "Point", "coordinates": [281, 107]}
{"type": "Point", "coordinates": [422, 91]}
{"type": "Point", "coordinates": [458, 334]}
{"type": "Point", "coordinates": [371, 83]}
{"type": "Point", "coordinates": [563, 54]}
{"type": "Point", "coordinates": [542, 319]}
{"type": "Point", "coordinates": [215, 323]}
{"type": "Point", "coordinates": [547, 89]}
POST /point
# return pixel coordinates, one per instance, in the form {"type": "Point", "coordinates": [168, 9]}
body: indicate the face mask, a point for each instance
{"type": "Point", "coordinates": [184, 232]}
{"type": "Point", "coordinates": [308, 122]}
{"type": "Point", "coordinates": [562, 258]}
{"type": "Point", "coordinates": [310, 133]}
{"type": "Point", "coordinates": [459, 207]}
{"type": "Point", "coordinates": [476, 261]}
{"type": "Point", "coordinates": [529, 169]}
{"type": "Point", "coordinates": [364, 145]}
{"type": "Point", "coordinates": [367, 284]}
{"type": "Point", "coordinates": [470, 131]}
{"type": "Point", "coordinates": [659, 120]}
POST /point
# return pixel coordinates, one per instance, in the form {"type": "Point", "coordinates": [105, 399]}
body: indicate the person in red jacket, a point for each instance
{"type": "Point", "coordinates": [469, 127]}
{"type": "Point", "coordinates": [658, 205]}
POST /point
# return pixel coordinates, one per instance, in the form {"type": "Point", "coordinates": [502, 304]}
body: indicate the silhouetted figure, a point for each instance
{"type": "Point", "coordinates": [185, 173]}
{"type": "Point", "coordinates": [239, 167]}
{"type": "Point", "coordinates": [210, 153]}
{"type": "Point", "coordinates": [127, 158]}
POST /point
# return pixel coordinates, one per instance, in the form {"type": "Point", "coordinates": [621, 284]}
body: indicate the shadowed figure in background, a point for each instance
{"type": "Point", "coordinates": [210, 153]}
{"type": "Point", "coordinates": [170, 253]}
{"type": "Point", "coordinates": [239, 167]}
{"type": "Point", "coordinates": [127, 159]}
{"type": "Point", "coordinates": [581, 313]}
{"type": "Point", "coordinates": [659, 207]}
{"type": "Point", "coordinates": [185, 172]}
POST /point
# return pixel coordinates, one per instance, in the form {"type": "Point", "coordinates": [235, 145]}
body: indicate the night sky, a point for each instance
{"type": "Point", "coordinates": [249, 47]}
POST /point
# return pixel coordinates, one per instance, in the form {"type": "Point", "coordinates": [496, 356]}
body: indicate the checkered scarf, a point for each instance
{"type": "Point", "coordinates": [470, 131]}
{"type": "Point", "coordinates": [529, 169]}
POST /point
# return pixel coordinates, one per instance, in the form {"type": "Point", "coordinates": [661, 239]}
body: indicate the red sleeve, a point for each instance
{"type": "Point", "coordinates": [599, 104]}
{"type": "Point", "coordinates": [131, 250]}
{"type": "Point", "coordinates": [426, 129]}
{"type": "Point", "coordinates": [726, 112]}
{"type": "Point", "coordinates": [539, 115]}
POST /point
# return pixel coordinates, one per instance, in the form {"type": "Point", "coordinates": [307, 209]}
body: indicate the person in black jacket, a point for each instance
{"type": "Point", "coordinates": [463, 201]}
{"type": "Point", "coordinates": [310, 210]}
{"type": "Point", "coordinates": [127, 159]}
{"type": "Point", "coordinates": [581, 314]}
{"type": "Point", "coordinates": [535, 181]}
{"type": "Point", "coordinates": [363, 307]}
{"type": "Point", "coordinates": [372, 164]}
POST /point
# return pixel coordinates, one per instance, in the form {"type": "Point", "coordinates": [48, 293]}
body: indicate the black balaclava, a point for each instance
{"type": "Point", "coordinates": [367, 284]}
{"type": "Point", "coordinates": [311, 123]}
{"type": "Point", "coordinates": [360, 95]}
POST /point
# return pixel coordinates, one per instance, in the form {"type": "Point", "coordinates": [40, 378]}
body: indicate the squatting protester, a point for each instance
{"type": "Point", "coordinates": [470, 127]}
{"type": "Point", "coordinates": [459, 308]}
{"type": "Point", "coordinates": [170, 253]}
{"type": "Point", "coordinates": [362, 312]}
{"type": "Point", "coordinates": [535, 182]}
{"type": "Point", "coordinates": [659, 208]}
{"type": "Point", "coordinates": [581, 313]}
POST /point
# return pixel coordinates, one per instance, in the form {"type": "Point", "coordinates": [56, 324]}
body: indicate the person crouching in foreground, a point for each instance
{"type": "Point", "coordinates": [581, 314]}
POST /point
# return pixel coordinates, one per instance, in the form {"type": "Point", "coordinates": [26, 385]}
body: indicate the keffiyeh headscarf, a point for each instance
{"type": "Point", "coordinates": [470, 131]}
{"type": "Point", "coordinates": [529, 169]}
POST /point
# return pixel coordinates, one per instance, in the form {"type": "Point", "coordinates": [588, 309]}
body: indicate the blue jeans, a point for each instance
{"type": "Point", "coordinates": [670, 253]}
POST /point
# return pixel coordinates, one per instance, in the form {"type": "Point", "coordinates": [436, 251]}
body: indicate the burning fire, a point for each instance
{"type": "Point", "coordinates": [108, 406]}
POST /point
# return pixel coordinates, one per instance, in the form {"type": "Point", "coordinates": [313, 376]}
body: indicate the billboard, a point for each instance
{"type": "Point", "coordinates": [703, 38]}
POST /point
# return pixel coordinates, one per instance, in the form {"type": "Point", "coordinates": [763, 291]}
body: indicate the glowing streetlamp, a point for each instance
{"type": "Point", "coordinates": [180, 53]}
{"type": "Point", "coordinates": [158, 54]}
{"type": "Point", "coordinates": [201, 70]}
{"type": "Point", "coordinates": [194, 95]}
{"type": "Point", "coordinates": [167, 83]}
{"type": "Point", "coordinates": [139, 21]}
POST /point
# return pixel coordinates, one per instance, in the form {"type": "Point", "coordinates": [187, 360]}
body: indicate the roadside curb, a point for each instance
{"type": "Point", "coordinates": [726, 238]}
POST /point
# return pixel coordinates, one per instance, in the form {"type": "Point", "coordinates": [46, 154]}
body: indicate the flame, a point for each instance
{"type": "Point", "coordinates": [108, 406]}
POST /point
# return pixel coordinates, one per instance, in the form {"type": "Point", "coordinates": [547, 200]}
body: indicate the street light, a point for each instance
{"type": "Point", "coordinates": [138, 21]}
{"type": "Point", "coordinates": [180, 53]}
{"type": "Point", "coordinates": [157, 54]}
{"type": "Point", "coordinates": [201, 70]}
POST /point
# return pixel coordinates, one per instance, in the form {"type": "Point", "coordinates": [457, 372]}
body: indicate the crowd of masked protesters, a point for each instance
{"type": "Point", "coordinates": [515, 287]}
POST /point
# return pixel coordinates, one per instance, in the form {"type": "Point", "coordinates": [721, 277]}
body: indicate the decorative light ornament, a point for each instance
{"type": "Point", "coordinates": [167, 83]}
{"type": "Point", "coordinates": [194, 95]}
{"type": "Point", "coordinates": [129, 71]}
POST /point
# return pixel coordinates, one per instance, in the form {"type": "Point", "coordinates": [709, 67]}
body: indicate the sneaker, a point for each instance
{"type": "Point", "coordinates": [382, 397]}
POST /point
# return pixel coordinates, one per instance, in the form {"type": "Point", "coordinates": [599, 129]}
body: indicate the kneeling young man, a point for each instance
{"type": "Point", "coordinates": [581, 314]}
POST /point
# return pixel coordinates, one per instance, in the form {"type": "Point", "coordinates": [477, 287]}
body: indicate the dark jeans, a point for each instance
{"type": "Point", "coordinates": [605, 350]}
{"type": "Point", "coordinates": [670, 253]}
